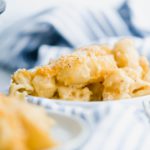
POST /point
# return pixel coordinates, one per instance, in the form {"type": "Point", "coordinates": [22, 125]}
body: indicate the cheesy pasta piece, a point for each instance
{"type": "Point", "coordinates": [21, 83]}
{"type": "Point", "coordinates": [44, 86]}
{"type": "Point", "coordinates": [117, 86]}
{"type": "Point", "coordinates": [126, 54]}
{"type": "Point", "coordinates": [133, 73]}
{"type": "Point", "coordinates": [144, 65]}
{"type": "Point", "coordinates": [140, 88]}
{"type": "Point", "coordinates": [39, 82]}
{"type": "Point", "coordinates": [73, 93]}
{"type": "Point", "coordinates": [147, 76]}
{"type": "Point", "coordinates": [44, 82]}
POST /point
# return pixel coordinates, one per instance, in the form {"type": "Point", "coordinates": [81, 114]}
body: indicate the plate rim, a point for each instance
{"type": "Point", "coordinates": [79, 140]}
{"type": "Point", "coordinates": [44, 101]}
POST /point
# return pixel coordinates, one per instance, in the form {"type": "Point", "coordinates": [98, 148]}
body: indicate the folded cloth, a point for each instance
{"type": "Point", "coordinates": [115, 126]}
{"type": "Point", "coordinates": [62, 28]}
{"type": "Point", "coordinates": [2, 6]}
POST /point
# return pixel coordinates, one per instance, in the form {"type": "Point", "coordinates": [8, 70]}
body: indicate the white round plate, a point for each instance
{"type": "Point", "coordinates": [70, 132]}
{"type": "Point", "coordinates": [45, 101]}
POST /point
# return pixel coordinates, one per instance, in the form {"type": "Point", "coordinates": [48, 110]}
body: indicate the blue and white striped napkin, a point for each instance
{"type": "Point", "coordinates": [115, 126]}
{"type": "Point", "coordinates": [123, 128]}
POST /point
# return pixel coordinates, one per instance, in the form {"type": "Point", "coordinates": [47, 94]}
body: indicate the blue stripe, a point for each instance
{"type": "Point", "coordinates": [109, 24]}
{"type": "Point", "coordinates": [103, 30]}
{"type": "Point", "coordinates": [111, 127]}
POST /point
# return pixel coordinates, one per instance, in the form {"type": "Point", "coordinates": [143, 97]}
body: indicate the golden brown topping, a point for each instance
{"type": "Point", "coordinates": [46, 71]}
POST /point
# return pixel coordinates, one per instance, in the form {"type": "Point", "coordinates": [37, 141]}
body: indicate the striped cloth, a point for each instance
{"type": "Point", "coordinates": [115, 126]}
{"type": "Point", "coordinates": [60, 29]}
{"type": "Point", "coordinates": [122, 129]}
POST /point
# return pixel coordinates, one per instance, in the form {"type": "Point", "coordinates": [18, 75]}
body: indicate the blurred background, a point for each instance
{"type": "Point", "coordinates": [34, 31]}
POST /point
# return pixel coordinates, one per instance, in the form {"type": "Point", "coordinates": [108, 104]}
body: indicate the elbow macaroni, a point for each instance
{"type": "Point", "coordinates": [95, 72]}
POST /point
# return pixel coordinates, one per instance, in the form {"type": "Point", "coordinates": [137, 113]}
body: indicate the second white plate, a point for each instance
{"type": "Point", "coordinates": [70, 132]}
